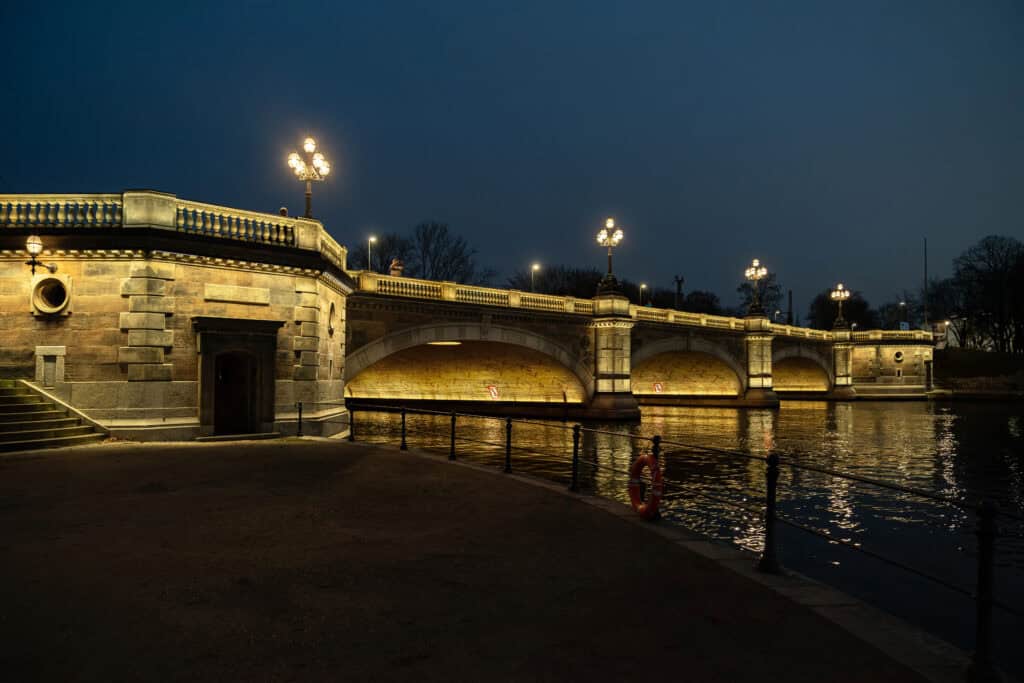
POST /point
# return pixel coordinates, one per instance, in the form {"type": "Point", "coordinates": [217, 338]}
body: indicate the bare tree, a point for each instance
{"type": "Point", "coordinates": [438, 254]}
{"type": "Point", "coordinates": [989, 276]}
{"type": "Point", "coordinates": [389, 246]}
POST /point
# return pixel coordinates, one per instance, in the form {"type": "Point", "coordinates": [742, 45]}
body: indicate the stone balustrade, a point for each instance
{"type": "Point", "coordinates": [510, 298]}
{"type": "Point", "coordinates": [149, 209]}
{"type": "Point", "coordinates": [220, 221]}
{"type": "Point", "coordinates": [60, 211]}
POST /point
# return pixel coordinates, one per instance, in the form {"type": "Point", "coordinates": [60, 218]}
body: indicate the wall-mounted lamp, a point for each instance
{"type": "Point", "coordinates": [34, 247]}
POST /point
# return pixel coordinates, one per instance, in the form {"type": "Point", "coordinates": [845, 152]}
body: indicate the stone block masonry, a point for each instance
{"type": "Point", "coordinates": [147, 290]}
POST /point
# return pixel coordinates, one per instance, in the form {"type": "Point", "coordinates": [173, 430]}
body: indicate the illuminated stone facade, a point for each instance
{"type": "Point", "coordinates": [176, 319]}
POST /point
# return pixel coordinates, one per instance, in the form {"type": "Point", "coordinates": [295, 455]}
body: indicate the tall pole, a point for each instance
{"type": "Point", "coordinates": [789, 312]}
{"type": "Point", "coordinates": [309, 199]}
{"type": "Point", "coordinates": [924, 303]}
{"type": "Point", "coordinates": [609, 259]}
{"type": "Point", "coordinates": [532, 271]}
{"type": "Point", "coordinates": [679, 280]}
{"type": "Point", "coordinates": [369, 254]}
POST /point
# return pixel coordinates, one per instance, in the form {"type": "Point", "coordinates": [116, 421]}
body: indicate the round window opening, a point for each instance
{"type": "Point", "coordinates": [898, 357]}
{"type": "Point", "coordinates": [50, 295]}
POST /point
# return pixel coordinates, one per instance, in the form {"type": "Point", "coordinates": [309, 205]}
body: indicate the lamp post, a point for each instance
{"type": "Point", "coordinates": [313, 168]}
{"type": "Point", "coordinates": [609, 236]}
{"type": "Point", "coordinates": [839, 295]}
{"type": "Point", "coordinates": [755, 273]}
{"type": "Point", "coordinates": [643, 288]}
{"type": "Point", "coordinates": [369, 252]}
{"type": "Point", "coordinates": [679, 280]}
{"type": "Point", "coordinates": [533, 271]}
{"type": "Point", "coordinates": [34, 247]}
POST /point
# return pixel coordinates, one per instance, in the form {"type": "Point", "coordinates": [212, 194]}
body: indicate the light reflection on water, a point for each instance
{"type": "Point", "coordinates": [964, 451]}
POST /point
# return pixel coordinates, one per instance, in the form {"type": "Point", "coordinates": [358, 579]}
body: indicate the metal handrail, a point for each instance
{"type": "Point", "coordinates": [986, 530]}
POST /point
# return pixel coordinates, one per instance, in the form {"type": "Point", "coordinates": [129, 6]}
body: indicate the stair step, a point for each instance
{"type": "Point", "coordinates": [18, 399]}
{"type": "Point", "coordinates": [43, 423]}
{"type": "Point", "coordinates": [24, 407]}
{"type": "Point", "coordinates": [32, 444]}
{"type": "Point", "coordinates": [44, 411]}
{"type": "Point", "coordinates": [46, 433]}
{"type": "Point", "coordinates": [15, 391]}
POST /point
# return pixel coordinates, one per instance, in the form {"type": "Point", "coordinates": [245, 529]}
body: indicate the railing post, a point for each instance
{"type": "Point", "coordinates": [575, 484]}
{"type": "Point", "coordinates": [656, 454]}
{"type": "Point", "coordinates": [451, 450]}
{"type": "Point", "coordinates": [351, 423]}
{"type": "Point", "coordinates": [769, 562]}
{"type": "Point", "coordinates": [298, 431]}
{"type": "Point", "coordinates": [404, 446]}
{"type": "Point", "coordinates": [508, 445]}
{"type": "Point", "coordinates": [981, 667]}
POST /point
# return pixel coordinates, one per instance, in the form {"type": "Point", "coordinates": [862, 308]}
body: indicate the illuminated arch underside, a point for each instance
{"type": "Point", "coordinates": [799, 374]}
{"type": "Point", "coordinates": [685, 373]}
{"type": "Point", "coordinates": [465, 373]}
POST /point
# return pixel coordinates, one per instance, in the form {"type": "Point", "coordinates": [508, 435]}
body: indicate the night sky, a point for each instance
{"type": "Point", "coordinates": [825, 138]}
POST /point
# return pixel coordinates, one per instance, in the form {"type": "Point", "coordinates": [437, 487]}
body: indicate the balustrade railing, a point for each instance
{"type": "Point", "coordinates": [224, 222]}
{"type": "Point", "coordinates": [510, 298]}
{"type": "Point", "coordinates": [148, 209]}
{"type": "Point", "coordinates": [60, 211]}
{"type": "Point", "coordinates": [482, 295]}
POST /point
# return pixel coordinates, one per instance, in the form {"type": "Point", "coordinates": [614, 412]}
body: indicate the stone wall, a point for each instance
{"type": "Point", "coordinates": [128, 349]}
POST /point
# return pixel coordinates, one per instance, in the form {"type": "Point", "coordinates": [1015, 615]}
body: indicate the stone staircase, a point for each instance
{"type": "Point", "coordinates": [29, 421]}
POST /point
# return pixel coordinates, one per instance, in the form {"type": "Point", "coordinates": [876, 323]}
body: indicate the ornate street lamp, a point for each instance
{"type": "Point", "coordinates": [533, 270]}
{"type": "Point", "coordinates": [369, 252]}
{"type": "Point", "coordinates": [755, 273]}
{"type": "Point", "coordinates": [643, 286]}
{"type": "Point", "coordinates": [34, 247]}
{"type": "Point", "coordinates": [609, 236]}
{"type": "Point", "coordinates": [839, 295]}
{"type": "Point", "coordinates": [313, 168]}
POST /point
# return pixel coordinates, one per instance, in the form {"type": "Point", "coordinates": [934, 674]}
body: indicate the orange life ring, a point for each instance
{"type": "Point", "coordinates": [647, 509]}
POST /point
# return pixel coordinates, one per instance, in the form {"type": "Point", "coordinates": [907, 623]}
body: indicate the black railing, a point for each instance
{"type": "Point", "coordinates": [981, 667]}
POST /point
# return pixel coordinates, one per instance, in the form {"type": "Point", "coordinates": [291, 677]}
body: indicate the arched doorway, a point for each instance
{"type": "Point", "coordinates": [235, 390]}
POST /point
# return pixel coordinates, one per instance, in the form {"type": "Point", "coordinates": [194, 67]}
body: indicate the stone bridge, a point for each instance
{"type": "Point", "coordinates": [156, 317]}
{"type": "Point", "coordinates": [411, 341]}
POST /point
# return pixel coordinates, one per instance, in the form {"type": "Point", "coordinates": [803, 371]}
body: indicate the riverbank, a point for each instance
{"type": "Point", "coordinates": [315, 560]}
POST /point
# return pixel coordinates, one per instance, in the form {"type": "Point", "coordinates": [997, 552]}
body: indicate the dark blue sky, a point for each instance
{"type": "Point", "coordinates": [826, 138]}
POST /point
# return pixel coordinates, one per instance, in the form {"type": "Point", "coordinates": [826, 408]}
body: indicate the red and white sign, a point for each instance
{"type": "Point", "coordinates": [492, 389]}
{"type": "Point", "coordinates": [658, 387]}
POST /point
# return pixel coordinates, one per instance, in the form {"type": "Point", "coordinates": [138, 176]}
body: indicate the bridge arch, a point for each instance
{"type": "Point", "coordinates": [802, 369]}
{"type": "Point", "coordinates": [689, 345]}
{"type": "Point", "coordinates": [393, 343]}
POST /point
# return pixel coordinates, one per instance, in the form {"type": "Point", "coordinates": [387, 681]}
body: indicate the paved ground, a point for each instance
{"type": "Point", "coordinates": [291, 560]}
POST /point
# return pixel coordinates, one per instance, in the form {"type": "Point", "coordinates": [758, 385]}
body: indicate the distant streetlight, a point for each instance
{"type": "Point", "coordinates": [839, 295]}
{"type": "Point", "coordinates": [533, 271]}
{"type": "Point", "coordinates": [369, 252]}
{"type": "Point", "coordinates": [775, 316]}
{"type": "Point", "coordinates": [755, 273]}
{"type": "Point", "coordinates": [314, 168]}
{"type": "Point", "coordinates": [643, 287]}
{"type": "Point", "coordinates": [609, 236]}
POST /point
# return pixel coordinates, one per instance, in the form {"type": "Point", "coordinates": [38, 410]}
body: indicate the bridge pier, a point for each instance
{"type": "Point", "coordinates": [758, 340]}
{"type": "Point", "coordinates": [613, 396]}
{"type": "Point", "coordinates": [842, 358]}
